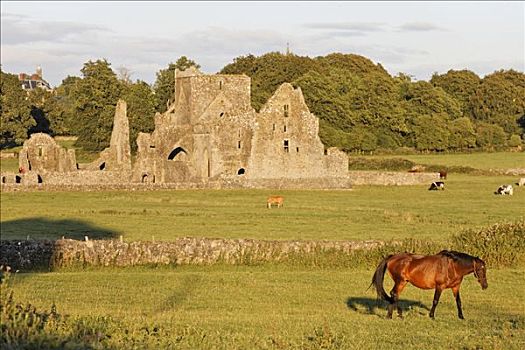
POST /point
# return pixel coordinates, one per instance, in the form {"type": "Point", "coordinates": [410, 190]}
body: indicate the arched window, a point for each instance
{"type": "Point", "coordinates": [241, 171]}
{"type": "Point", "coordinates": [176, 152]}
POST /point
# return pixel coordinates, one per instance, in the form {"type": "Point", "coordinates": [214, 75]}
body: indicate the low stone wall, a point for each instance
{"type": "Point", "coordinates": [391, 178]}
{"type": "Point", "coordinates": [24, 255]}
{"type": "Point", "coordinates": [101, 181]}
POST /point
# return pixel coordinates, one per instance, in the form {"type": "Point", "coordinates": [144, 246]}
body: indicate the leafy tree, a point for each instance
{"type": "Point", "coordinates": [164, 86]}
{"type": "Point", "coordinates": [461, 85]}
{"type": "Point", "coordinates": [61, 109]}
{"type": "Point", "coordinates": [37, 99]}
{"type": "Point", "coordinates": [500, 100]}
{"type": "Point", "coordinates": [490, 135]}
{"type": "Point", "coordinates": [96, 96]}
{"type": "Point", "coordinates": [268, 72]}
{"type": "Point", "coordinates": [515, 141]}
{"type": "Point", "coordinates": [462, 134]}
{"type": "Point", "coordinates": [141, 104]}
{"type": "Point", "coordinates": [15, 111]}
{"type": "Point", "coordinates": [430, 132]}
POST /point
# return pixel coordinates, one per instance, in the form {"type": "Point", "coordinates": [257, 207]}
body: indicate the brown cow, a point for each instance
{"type": "Point", "coordinates": [278, 200]}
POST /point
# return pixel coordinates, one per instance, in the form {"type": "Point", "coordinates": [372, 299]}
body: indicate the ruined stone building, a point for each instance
{"type": "Point", "coordinates": [210, 134]}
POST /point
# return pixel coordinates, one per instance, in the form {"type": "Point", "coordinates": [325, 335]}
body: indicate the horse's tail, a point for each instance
{"type": "Point", "coordinates": [378, 278]}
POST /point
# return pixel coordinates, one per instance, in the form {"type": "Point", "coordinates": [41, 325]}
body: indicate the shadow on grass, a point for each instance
{"type": "Point", "coordinates": [42, 228]}
{"type": "Point", "coordinates": [369, 306]}
{"type": "Point", "coordinates": [29, 244]}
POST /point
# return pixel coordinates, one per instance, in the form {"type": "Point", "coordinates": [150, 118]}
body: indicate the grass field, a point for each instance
{"type": "Point", "coordinates": [483, 161]}
{"type": "Point", "coordinates": [366, 212]}
{"type": "Point", "coordinates": [272, 306]}
{"type": "Point", "coordinates": [277, 307]}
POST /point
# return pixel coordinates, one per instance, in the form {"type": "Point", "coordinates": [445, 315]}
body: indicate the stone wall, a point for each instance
{"type": "Point", "coordinates": [391, 178]}
{"type": "Point", "coordinates": [24, 255]}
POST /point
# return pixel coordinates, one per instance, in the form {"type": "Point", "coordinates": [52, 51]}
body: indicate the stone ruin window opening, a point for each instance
{"type": "Point", "coordinates": [18, 179]}
{"type": "Point", "coordinates": [239, 144]}
{"type": "Point", "coordinates": [40, 151]}
{"type": "Point", "coordinates": [325, 152]}
{"type": "Point", "coordinates": [297, 149]}
{"type": "Point", "coordinates": [3, 179]}
{"type": "Point", "coordinates": [152, 146]}
{"type": "Point", "coordinates": [286, 109]}
{"type": "Point", "coordinates": [241, 171]}
{"type": "Point", "coordinates": [273, 127]}
{"type": "Point", "coordinates": [220, 85]}
{"type": "Point", "coordinates": [221, 115]}
{"type": "Point", "coordinates": [176, 152]}
{"type": "Point", "coordinates": [102, 166]}
{"type": "Point", "coordinates": [286, 146]}
{"type": "Point", "coordinates": [285, 128]}
{"type": "Point", "coordinates": [39, 178]}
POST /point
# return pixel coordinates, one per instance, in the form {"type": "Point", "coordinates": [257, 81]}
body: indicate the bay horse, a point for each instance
{"type": "Point", "coordinates": [441, 271]}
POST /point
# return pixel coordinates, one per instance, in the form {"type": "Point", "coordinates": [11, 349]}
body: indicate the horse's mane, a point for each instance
{"type": "Point", "coordinates": [457, 256]}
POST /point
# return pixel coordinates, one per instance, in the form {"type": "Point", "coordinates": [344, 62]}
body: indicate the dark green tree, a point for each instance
{"type": "Point", "coordinates": [490, 136]}
{"type": "Point", "coordinates": [15, 111]}
{"type": "Point", "coordinates": [38, 98]}
{"type": "Point", "coordinates": [141, 109]}
{"type": "Point", "coordinates": [268, 72]}
{"type": "Point", "coordinates": [461, 85]}
{"type": "Point", "coordinates": [500, 100]}
{"type": "Point", "coordinates": [462, 134]}
{"type": "Point", "coordinates": [164, 86]}
{"type": "Point", "coordinates": [96, 96]}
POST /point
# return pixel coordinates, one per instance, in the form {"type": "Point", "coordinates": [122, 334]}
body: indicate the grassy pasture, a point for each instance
{"type": "Point", "coordinates": [366, 212]}
{"type": "Point", "coordinates": [278, 307]}
{"type": "Point", "coordinates": [272, 306]}
{"type": "Point", "coordinates": [483, 161]}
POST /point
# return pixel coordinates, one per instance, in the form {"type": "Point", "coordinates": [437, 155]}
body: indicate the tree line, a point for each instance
{"type": "Point", "coordinates": [361, 107]}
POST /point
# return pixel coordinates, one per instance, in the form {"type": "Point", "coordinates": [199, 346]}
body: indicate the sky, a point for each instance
{"type": "Point", "coordinates": [415, 38]}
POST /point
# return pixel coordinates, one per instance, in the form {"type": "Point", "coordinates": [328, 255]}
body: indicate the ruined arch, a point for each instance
{"type": "Point", "coordinates": [176, 152]}
{"type": "Point", "coordinates": [241, 171]}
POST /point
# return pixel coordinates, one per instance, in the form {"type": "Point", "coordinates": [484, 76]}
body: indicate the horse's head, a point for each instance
{"type": "Point", "coordinates": [480, 271]}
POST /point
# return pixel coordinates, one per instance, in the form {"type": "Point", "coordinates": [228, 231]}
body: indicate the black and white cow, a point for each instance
{"type": "Point", "coordinates": [438, 185]}
{"type": "Point", "coordinates": [505, 189]}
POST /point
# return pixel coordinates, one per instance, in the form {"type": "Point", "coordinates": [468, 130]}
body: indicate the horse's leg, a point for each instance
{"type": "Point", "coordinates": [437, 294]}
{"type": "Point", "coordinates": [399, 284]}
{"type": "Point", "coordinates": [396, 292]}
{"type": "Point", "coordinates": [455, 290]}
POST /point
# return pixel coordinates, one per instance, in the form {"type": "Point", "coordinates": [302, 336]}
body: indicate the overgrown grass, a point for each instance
{"type": "Point", "coordinates": [266, 307]}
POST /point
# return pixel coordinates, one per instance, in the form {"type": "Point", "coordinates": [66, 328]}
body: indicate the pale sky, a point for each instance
{"type": "Point", "coordinates": [416, 38]}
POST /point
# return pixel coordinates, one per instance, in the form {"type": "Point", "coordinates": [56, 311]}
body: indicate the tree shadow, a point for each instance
{"type": "Point", "coordinates": [368, 306]}
{"type": "Point", "coordinates": [29, 244]}
{"type": "Point", "coordinates": [41, 228]}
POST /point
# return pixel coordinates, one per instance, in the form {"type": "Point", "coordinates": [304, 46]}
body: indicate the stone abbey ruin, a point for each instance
{"type": "Point", "coordinates": [210, 136]}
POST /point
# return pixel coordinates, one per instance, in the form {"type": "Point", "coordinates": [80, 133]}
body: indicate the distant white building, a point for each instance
{"type": "Point", "coordinates": [34, 81]}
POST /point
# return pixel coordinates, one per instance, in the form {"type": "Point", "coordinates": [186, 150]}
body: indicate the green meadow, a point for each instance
{"type": "Point", "coordinates": [268, 306]}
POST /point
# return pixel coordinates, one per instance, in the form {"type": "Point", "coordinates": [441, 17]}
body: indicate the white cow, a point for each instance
{"type": "Point", "coordinates": [505, 189]}
{"type": "Point", "coordinates": [521, 182]}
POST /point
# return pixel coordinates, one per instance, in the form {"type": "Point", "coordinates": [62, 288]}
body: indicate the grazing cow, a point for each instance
{"type": "Point", "coordinates": [442, 174]}
{"type": "Point", "coordinates": [277, 200]}
{"type": "Point", "coordinates": [438, 185]}
{"type": "Point", "coordinates": [521, 182]}
{"type": "Point", "coordinates": [505, 189]}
